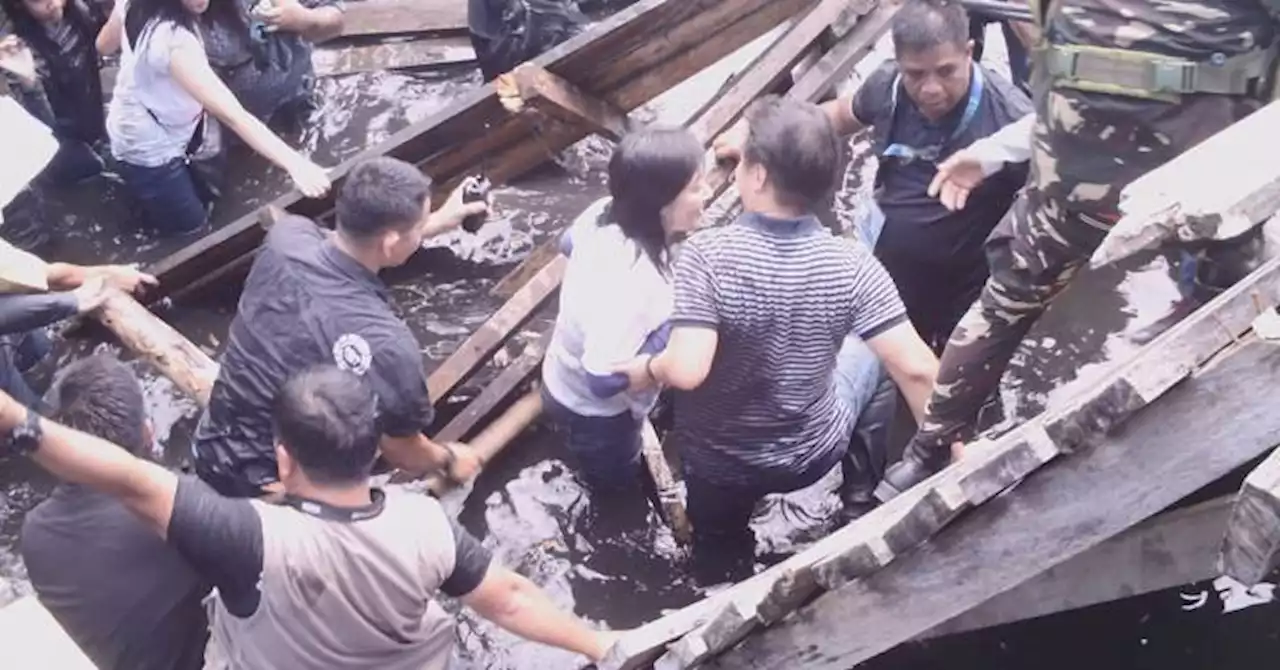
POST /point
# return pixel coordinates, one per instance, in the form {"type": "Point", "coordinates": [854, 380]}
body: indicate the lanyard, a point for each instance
{"type": "Point", "coordinates": [934, 152]}
{"type": "Point", "coordinates": [329, 512]}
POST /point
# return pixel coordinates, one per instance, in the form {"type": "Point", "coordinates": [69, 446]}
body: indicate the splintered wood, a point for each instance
{"type": "Point", "coordinates": [881, 539]}
{"type": "Point", "coordinates": [1216, 190]}
{"type": "Point", "coordinates": [1251, 549]}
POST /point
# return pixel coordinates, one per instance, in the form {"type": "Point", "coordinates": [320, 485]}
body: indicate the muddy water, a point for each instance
{"type": "Point", "coordinates": [529, 508]}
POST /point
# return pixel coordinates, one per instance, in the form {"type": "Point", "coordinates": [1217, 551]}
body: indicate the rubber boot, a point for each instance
{"type": "Point", "coordinates": [918, 464]}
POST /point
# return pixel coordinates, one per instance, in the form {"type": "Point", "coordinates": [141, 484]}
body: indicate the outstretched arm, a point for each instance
{"type": "Point", "coordinates": [145, 488]}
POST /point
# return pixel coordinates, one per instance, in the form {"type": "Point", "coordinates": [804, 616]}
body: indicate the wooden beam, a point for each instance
{"type": "Point", "coordinates": [395, 17]}
{"type": "Point", "coordinates": [166, 349]}
{"type": "Point", "coordinates": [32, 638]}
{"type": "Point", "coordinates": [488, 338]}
{"type": "Point", "coordinates": [531, 89]}
{"type": "Point", "coordinates": [883, 536]}
{"type": "Point", "coordinates": [516, 373]}
{"type": "Point", "coordinates": [765, 72]}
{"type": "Point", "coordinates": [664, 482]}
{"type": "Point", "coordinates": [332, 61]}
{"type": "Point", "coordinates": [1166, 551]}
{"type": "Point", "coordinates": [1161, 455]}
{"type": "Point", "coordinates": [1251, 549]}
{"type": "Point", "coordinates": [1201, 194]}
{"type": "Point", "coordinates": [617, 60]}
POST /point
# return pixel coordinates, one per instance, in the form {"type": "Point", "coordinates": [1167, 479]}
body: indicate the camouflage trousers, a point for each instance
{"type": "Point", "coordinates": [1087, 148]}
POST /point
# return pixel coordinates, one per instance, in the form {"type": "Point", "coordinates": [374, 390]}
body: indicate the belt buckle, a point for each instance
{"type": "Point", "coordinates": [1173, 77]}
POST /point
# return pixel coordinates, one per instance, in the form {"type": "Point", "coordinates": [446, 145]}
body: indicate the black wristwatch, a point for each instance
{"type": "Point", "coordinates": [24, 439]}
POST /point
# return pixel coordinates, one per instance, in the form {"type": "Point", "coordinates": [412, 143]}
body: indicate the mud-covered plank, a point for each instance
{"type": "Point", "coordinates": [1163, 454]}
{"type": "Point", "coordinates": [146, 335]}
{"type": "Point", "coordinates": [664, 482]}
{"type": "Point", "coordinates": [393, 17]}
{"type": "Point", "coordinates": [1251, 549]}
{"type": "Point", "coordinates": [530, 88]}
{"type": "Point", "coordinates": [616, 60]}
{"type": "Point", "coordinates": [1169, 550]}
{"type": "Point", "coordinates": [1201, 194]}
{"type": "Point", "coordinates": [333, 60]}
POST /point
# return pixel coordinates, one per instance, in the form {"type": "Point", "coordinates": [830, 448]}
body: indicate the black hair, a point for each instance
{"type": "Point", "coordinates": [100, 396]}
{"type": "Point", "coordinates": [327, 420]}
{"type": "Point", "coordinates": [230, 13]}
{"type": "Point", "coordinates": [797, 146]}
{"type": "Point", "coordinates": [381, 194]}
{"type": "Point", "coordinates": [922, 25]}
{"type": "Point", "coordinates": [85, 18]}
{"type": "Point", "coordinates": [144, 15]}
{"type": "Point", "coordinates": [648, 170]}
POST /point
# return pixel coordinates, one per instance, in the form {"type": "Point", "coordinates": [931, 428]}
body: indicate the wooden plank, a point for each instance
{"type": "Point", "coordinates": [1251, 549]}
{"type": "Point", "coordinates": [1161, 455]}
{"type": "Point", "coordinates": [486, 340]}
{"type": "Point", "coordinates": [617, 60]}
{"type": "Point", "coordinates": [332, 61]}
{"type": "Point", "coordinates": [673, 509]}
{"type": "Point", "coordinates": [765, 72]}
{"type": "Point", "coordinates": [881, 537]}
{"type": "Point", "coordinates": [516, 373]}
{"type": "Point", "coordinates": [143, 333]}
{"type": "Point", "coordinates": [384, 17]}
{"type": "Point", "coordinates": [1166, 551]}
{"type": "Point", "coordinates": [32, 638]}
{"type": "Point", "coordinates": [531, 89]}
{"type": "Point", "coordinates": [491, 441]}
{"type": "Point", "coordinates": [1200, 195]}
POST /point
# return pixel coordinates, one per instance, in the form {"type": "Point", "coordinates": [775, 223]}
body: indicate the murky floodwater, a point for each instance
{"type": "Point", "coordinates": [529, 508]}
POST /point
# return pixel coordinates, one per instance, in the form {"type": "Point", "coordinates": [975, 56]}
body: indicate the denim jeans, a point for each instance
{"type": "Point", "coordinates": [18, 354]}
{"type": "Point", "coordinates": [605, 449]}
{"type": "Point", "coordinates": [168, 196]}
{"type": "Point", "coordinates": [723, 513]}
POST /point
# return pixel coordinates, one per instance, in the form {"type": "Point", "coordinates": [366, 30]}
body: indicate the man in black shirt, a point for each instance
{"type": "Point", "coordinates": [338, 575]}
{"type": "Point", "coordinates": [129, 601]}
{"type": "Point", "coordinates": [930, 101]}
{"type": "Point", "coordinates": [315, 297]}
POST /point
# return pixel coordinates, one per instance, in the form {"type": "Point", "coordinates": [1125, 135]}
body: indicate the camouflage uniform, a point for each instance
{"type": "Point", "coordinates": [1089, 143]}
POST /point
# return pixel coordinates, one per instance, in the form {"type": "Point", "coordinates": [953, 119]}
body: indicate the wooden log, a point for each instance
{"type": "Point", "coordinates": [496, 436]}
{"type": "Point", "coordinates": [1161, 455]}
{"type": "Point", "coordinates": [530, 88]}
{"type": "Point", "coordinates": [332, 61]}
{"type": "Point", "coordinates": [883, 536]}
{"type": "Point", "coordinates": [673, 509]}
{"type": "Point", "coordinates": [1201, 195]}
{"type": "Point", "coordinates": [617, 60]}
{"type": "Point", "coordinates": [395, 17]}
{"type": "Point", "coordinates": [32, 638]}
{"type": "Point", "coordinates": [143, 333]}
{"type": "Point", "coordinates": [488, 338]}
{"type": "Point", "coordinates": [1251, 549]}
{"type": "Point", "coordinates": [1166, 551]}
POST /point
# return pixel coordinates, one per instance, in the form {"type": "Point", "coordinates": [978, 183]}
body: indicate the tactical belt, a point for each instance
{"type": "Point", "coordinates": [1147, 75]}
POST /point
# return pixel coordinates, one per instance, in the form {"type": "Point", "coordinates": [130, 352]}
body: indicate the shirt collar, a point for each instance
{"type": "Point", "coordinates": [339, 260]}
{"type": "Point", "coordinates": [781, 227]}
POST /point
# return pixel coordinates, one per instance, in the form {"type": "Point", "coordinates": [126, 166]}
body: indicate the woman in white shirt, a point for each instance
{"type": "Point", "coordinates": [157, 117]}
{"type": "Point", "coordinates": [616, 300]}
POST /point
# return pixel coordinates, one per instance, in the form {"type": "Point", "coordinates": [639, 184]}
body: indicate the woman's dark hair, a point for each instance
{"type": "Point", "coordinates": [648, 170]}
{"type": "Point", "coordinates": [227, 12]}
{"type": "Point", "coordinates": [85, 18]}
{"type": "Point", "coordinates": [143, 15]}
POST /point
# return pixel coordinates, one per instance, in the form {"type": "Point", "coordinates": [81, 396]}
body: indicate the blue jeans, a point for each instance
{"type": "Point", "coordinates": [18, 354]}
{"type": "Point", "coordinates": [723, 513]}
{"type": "Point", "coordinates": [168, 196]}
{"type": "Point", "coordinates": [605, 449]}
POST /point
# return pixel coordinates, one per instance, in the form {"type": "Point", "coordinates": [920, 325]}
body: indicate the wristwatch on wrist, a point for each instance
{"type": "Point", "coordinates": [24, 438]}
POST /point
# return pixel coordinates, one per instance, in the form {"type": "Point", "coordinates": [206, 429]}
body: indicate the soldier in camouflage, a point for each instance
{"type": "Point", "coordinates": [1121, 88]}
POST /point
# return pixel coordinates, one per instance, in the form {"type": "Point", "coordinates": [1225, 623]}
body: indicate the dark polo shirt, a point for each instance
{"type": "Point", "coordinates": [305, 303]}
{"type": "Point", "coordinates": [936, 256]}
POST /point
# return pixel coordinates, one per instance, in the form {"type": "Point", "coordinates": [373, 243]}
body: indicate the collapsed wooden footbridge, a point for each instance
{"type": "Point", "coordinates": [1077, 506]}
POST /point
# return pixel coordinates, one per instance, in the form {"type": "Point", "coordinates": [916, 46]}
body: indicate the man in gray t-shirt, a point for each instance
{"type": "Point", "coordinates": [764, 309]}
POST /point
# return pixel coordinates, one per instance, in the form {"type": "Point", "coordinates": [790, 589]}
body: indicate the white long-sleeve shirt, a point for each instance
{"type": "Point", "coordinates": [1010, 144]}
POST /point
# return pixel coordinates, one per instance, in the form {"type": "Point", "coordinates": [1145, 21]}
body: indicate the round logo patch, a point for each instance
{"type": "Point", "coordinates": [351, 353]}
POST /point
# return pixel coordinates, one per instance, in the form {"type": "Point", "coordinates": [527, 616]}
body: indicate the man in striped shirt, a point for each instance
{"type": "Point", "coordinates": [763, 308]}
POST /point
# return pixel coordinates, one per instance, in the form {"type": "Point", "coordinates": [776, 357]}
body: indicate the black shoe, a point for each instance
{"type": "Point", "coordinates": [914, 468]}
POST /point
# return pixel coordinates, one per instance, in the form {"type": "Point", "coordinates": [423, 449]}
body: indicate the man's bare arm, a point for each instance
{"type": "Point", "coordinates": [910, 363]}
{"type": "Point", "coordinates": [147, 489]}
{"type": "Point", "coordinates": [420, 454]}
{"type": "Point", "coordinates": [518, 605]}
